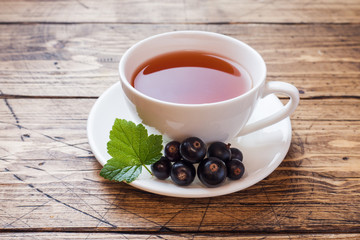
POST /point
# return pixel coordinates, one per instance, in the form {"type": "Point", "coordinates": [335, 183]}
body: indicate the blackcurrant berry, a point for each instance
{"type": "Point", "coordinates": [219, 150]}
{"type": "Point", "coordinates": [193, 149]}
{"type": "Point", "coordinates": [161, 169]}
{"type": "Point", "coordinates": [236, 153]}
{"type": "Point", "coordinates": [212, 172]}
{"type": "Point", "coordinates": [172, 151]}
{"type": "Point", "coordinates": [183, 173]}
{"type": "Point", "coordinates": [235, 169]}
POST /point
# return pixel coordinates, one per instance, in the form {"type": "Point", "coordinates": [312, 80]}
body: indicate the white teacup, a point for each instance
{"type": "Point", "coordinates": [217, 121]}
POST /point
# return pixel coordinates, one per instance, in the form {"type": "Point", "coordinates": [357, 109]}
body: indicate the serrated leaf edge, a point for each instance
{"type": "Point", "coordinates": [130, 173]}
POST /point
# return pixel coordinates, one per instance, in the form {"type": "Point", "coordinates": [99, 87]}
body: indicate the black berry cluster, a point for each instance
{"type": "Point", "coordinates": [215, 164]}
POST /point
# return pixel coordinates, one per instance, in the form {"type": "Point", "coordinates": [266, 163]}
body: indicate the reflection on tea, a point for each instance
{"type": "Point", "coordinates": [191, 77]}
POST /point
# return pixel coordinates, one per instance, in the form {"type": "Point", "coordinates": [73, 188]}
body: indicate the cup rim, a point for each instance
{"type": "Point", "coordinates": [137, 92]}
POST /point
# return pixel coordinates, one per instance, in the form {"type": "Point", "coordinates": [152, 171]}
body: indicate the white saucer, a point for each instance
{"type": "Point", "coordinates": [263, 150]}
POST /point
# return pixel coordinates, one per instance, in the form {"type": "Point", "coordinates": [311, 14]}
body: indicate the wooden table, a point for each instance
{"type": "Point", "coordinates": [57, 57]}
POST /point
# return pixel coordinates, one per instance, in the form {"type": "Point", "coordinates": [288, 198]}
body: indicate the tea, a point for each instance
{"type": "Point", "coordinates": [191, 77]}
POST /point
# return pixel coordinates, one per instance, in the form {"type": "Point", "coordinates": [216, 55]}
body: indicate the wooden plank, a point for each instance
{"type": "Point", "coordinates": [82, 60]}
{"type": "Point", "coordinates": [183, 236]}
{"type": "Point", "coordinates": [334, 11]}
{"type": "Point", "coordinates": [40, 194]}
{"type": "Point", "coordinates": [326, 125]}
{"type": "Point", "coordinates": [332, 122]}
{"type": "Point", "coordinates": [50, 180]}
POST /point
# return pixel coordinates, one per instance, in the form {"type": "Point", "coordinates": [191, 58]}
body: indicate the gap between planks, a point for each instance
{"type": "Point", "coordinates": [167, 231]}
{"type": "Point", "coordinates": [12, 96]}
{"type": "Point", "coordinates": [175, 23]}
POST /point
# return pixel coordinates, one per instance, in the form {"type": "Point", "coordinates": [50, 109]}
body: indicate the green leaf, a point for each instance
{"type": "Point", "coordinates": [130, 147]}
{"type": "Point", "coordinates": [127, 174]}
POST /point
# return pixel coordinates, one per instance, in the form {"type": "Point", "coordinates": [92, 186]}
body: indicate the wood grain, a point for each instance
{"type": "Point", "coordinates": [57, 57]}
{"type": "Point", "coordinates": [206, 11]}
{"type": "Point", "coordinates": [82, 60]}
{"type": "Point", "coordinates": [49, 179]}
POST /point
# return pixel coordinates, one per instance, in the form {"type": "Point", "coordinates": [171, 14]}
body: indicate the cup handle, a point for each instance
{"type": "Point", "coordinates": [275, 87]}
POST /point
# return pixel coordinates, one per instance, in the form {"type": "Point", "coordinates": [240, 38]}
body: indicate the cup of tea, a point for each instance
{"type": "Point", "coordinates": [196, 83]}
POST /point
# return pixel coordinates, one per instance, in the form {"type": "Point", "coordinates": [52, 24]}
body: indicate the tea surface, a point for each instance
{"type": "Point", "coordinates": [191, 77]}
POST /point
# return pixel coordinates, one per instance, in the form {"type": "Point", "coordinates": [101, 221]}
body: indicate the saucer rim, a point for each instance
{"type": "Point", "coordinates": [189, 192]}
